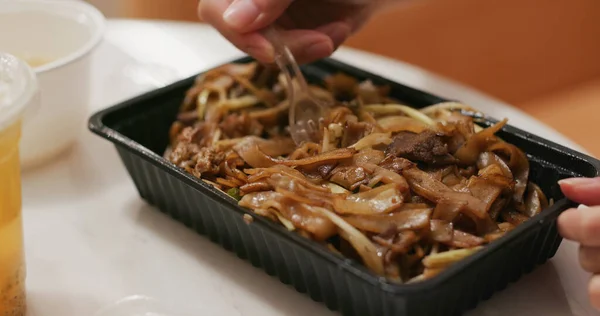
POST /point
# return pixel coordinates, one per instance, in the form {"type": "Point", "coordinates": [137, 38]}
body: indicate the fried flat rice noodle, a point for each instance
{"type": "Point", "coordinates": [405, 192]}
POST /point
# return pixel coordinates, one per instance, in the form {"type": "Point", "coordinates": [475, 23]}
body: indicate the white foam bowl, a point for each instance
{"type": "Point", "coordinates": [64, 34]}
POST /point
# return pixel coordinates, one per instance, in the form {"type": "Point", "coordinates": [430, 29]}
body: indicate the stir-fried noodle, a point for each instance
{"type": "Point", "coordinates": [406, 192]}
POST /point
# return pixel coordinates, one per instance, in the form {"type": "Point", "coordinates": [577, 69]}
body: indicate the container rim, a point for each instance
{"type": "Point", "coordinates": [73, 11]}
{"type": "Point", "coordinates": [96, 125]}
{"type": "Point", "coordinates": [21, 85]}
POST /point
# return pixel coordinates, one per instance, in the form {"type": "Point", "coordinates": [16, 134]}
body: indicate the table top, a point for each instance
{"type": "Point", "coordinates": [92, 241]}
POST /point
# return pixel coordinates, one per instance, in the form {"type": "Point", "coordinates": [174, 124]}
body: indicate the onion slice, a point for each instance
{"type": "Point", "coordinates": [395, 108]}
{"type": "Point", "coordinates": [383, 199]}
{"type": "Point", "coordinates": [365, 248]}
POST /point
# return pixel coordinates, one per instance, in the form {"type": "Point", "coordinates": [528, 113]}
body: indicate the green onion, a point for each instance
{"type": "Point", "coordinates": [234, 193]}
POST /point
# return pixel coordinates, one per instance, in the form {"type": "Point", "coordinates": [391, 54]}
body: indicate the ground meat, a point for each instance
{"type": "Point", "coordinates": [189, 141]}
{"type": "Point", "coordinates": [186, 144]}
{"type": "Point", "coordinates": [192, 134]}
{"type": "Point", "coordinates": [207, 161]}
{"type": "Point", "coordinates": [427, 147]}
{"type": "Point", "coordinates": [182, 153]}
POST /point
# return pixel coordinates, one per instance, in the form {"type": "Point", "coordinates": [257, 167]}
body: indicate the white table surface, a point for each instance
{"type": "Point", "coordinates": [91, 240]}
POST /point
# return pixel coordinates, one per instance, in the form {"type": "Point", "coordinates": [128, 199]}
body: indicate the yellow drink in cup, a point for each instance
{"type": "Point", "coordinates": [12, 263]}
{"type": "Point", "coordinates": [18, 86]}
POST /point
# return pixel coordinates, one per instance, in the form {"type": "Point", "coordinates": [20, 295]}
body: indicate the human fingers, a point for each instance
{"type": "Point", "coordinates": [254, 44]}
{"type": "Point", "coordinates": [582, 190]}
{"type": "Point", "coordinates": [311, 45]}
{"type": "Point", "coordinates": [594, 291]}
{"type": "Point", "coordinates": [250, 15]}
{"type": "Point", "coordinates": [581, 225]}
{"type": "Point", "coordinates": [307, 45]}
{"type": "Point", "coordinates": [589, 258]}
{"type": "Point", "coordinates": [338, 32]}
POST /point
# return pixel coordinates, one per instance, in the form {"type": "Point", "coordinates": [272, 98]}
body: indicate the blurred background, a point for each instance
{"type": "Point", "coordinates": [538, 55]}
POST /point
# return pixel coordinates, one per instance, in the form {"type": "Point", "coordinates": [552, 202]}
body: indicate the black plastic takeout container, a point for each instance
{"type": "Point", "coordinates": [139, 128]}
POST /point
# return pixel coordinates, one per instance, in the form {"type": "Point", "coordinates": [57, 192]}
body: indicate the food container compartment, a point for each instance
{"type": "Point", "coordinates": [139, 129]}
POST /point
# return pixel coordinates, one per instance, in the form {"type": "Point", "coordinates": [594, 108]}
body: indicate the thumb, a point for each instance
{"type": "Point", "coordinates": [582, 190]}
{"type": "Point", "coordinates": [250, 15]}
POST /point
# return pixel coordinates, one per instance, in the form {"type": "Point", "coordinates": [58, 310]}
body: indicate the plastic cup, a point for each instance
{"type": "Point", "coordinates": [18, 88]}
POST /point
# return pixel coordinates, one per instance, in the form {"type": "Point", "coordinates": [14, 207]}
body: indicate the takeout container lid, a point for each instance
{"type": "Point", "coordinates": [18, 87]}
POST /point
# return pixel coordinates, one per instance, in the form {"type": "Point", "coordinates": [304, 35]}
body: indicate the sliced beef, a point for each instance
{"type": "Point", "coordinates": [427, 147]}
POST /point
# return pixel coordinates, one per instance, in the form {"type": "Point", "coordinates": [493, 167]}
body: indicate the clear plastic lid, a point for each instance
{"type": "Point", "coordinates": [18, 86]}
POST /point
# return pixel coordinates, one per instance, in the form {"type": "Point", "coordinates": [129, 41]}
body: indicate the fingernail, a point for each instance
{"type": "Point", "coordinates": [318, 50]}
{"type": "Point", "coordinates": [579, 181]}
{"type": "Point", "coordinates": [241, 13]}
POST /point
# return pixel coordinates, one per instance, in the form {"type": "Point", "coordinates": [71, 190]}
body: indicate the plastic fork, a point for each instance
{"type": "Point", "coordinates": [306, 111]}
